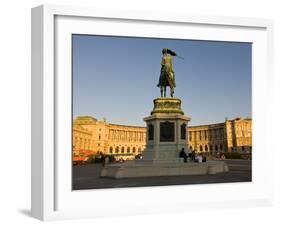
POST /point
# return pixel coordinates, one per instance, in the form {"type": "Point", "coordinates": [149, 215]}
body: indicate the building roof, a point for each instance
{"type": "Point", "coordinates": [221, 123]}
{"type": "Point", "coordinates": [207, 125]}
{"type": "Point", "coordinates": [77, 127]}
{"type": "Point", "coordinates": [86, 120]}
{"type": "Point", "coordinates": [82, 120]}
{"type": "Point", "coordinates": [141, 127]}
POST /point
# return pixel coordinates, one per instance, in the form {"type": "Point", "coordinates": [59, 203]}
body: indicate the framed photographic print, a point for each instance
{"type": "Point", "coordinates": [145, 113]}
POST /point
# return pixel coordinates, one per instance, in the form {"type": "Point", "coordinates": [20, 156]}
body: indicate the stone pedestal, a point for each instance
{"type": "Point", "coordinates": [166, 136]}
{"type": "Point", "coordinates": [166, 131]}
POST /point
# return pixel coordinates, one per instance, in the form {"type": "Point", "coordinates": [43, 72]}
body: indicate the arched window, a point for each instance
{"type": "Point", "coordinates": [128, 150]}
{"type": "Point", "coordinates": [206, 147]}
{"type": "Point", "coordinates": [190, 147]}
{"type": "Point", "coordinates": [117, 150]}
{"type": "Point", "coordinates": [201, 149]}
{"type": "Point", "coordinates": [122, 150]}
{"type": "Point", "coordinates": [216, 147]}
{"type": "Point", "coordinates": [134, 150]}
{"type": "Point", "coordinates": [211, 147]}
{"type": "Point", "coordinates": [111, 150]}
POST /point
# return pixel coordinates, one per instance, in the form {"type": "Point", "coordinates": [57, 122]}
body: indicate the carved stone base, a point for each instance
{"type": "Point", "coordinates": [165, 105]}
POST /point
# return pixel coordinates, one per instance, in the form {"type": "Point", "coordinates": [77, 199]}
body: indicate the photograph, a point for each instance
{"type": "Point", "coordinates": [160, 112]}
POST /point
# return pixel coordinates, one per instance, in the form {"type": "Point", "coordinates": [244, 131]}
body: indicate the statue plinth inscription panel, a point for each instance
{"type": "Point", "coordinates": [167, 131]}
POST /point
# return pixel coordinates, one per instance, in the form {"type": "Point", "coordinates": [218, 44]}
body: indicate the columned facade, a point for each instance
{"type": "Point", "coordinates": [122, 141]}
{"type": "Point", "coordinates": [207, 138]}
{"type": "Point", "coordinates": [231, 136]}
{"type": "Point", "coordinates": [81, 139]}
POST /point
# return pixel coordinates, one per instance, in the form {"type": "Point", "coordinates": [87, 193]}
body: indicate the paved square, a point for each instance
{"type": "Point", "coordinates": [88, 177]}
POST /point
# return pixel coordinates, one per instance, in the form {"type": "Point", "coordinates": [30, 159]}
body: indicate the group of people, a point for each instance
{"type": "Point", "coordinates": [192, 157]}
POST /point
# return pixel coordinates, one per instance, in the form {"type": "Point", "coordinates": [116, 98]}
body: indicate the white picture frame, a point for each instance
{"type": "Point", "coordinates": [52, 197]}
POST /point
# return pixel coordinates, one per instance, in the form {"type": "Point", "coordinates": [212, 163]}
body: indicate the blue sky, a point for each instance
{"type": "Point", "coordinates": [116, 78]}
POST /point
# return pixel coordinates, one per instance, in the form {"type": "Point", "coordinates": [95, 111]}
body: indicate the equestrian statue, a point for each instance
{"type": "Point", "coordinates": [167, 74]}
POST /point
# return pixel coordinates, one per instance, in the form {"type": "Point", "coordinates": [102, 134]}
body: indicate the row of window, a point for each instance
{"type": "Point", "coordinates": [242, 148]}
{"type": "Point", "coordinates": [211, 134]}
{"type": "Point", "coordinates": [209, 147]}
{"type": "Point", "coordinates": [126, 136]}
{"type": "Point", "coordinates": [117, 150]}
{"type": "Point", "coordinates": [83, 143]}
{"type": "Point", "coordinates": [218, 148]}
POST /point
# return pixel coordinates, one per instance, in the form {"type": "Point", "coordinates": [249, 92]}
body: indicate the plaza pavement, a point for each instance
{"type": "Point", "coordinates": [88, 177]}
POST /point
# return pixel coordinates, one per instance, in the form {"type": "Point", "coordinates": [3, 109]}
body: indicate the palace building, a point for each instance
{"type": "Point", "coordinates": [91, 136]}
{"type": "Point", "coordinates": [229, 136]}
{"type": "Point", "coordinates": [122, 141]}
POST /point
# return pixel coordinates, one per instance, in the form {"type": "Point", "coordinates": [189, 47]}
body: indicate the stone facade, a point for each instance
{"type": "Point", "coordinates": [239, 135]}
{"type": "Point", "coordinates": [82, 139]}
{"type": "Point", "coordinates": [126, 142]}
{"type": "Point", "coordinates": [122, 141]}
{"type": "Point", "coordinates": [231, 136]}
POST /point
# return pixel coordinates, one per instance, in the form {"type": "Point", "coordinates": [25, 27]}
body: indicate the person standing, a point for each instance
{"type": "Point", "coordinates": [183, 155]}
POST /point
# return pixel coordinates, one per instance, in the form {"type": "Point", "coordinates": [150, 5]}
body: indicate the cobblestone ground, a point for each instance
{"type": "Point", "coordinates": [87, 177]}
